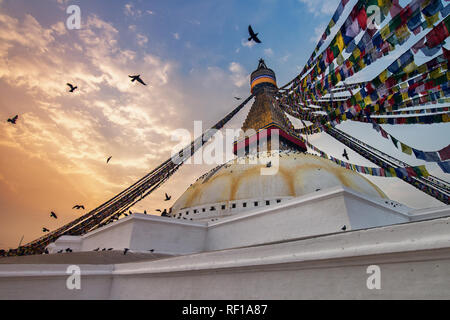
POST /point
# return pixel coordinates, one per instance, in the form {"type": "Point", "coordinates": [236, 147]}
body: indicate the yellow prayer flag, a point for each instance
{"type": "Point", "coordinates": [340, 59]}
{"type": "Point", "coordinates": [425, 3]}
{"type": "Point", "coordinates": [406, 149]}
{"type": "Point", "coordinates": [422, 69]}
{"type": "Point", "coordinates": [361, 63]}
{"type": "Point", "coordinates": [383, 76]}
{"type": "Point", "coordinates": [340, 41]}
{"type": "Point", "coordinates": [423, 170]}
{"type": "Point", "coordinates": [331, 24]}
{"type": "Point", "coordinates": [385, 32]}
{"type": "Point", "coordinates": [445, 117]}
{"type": "Point", "coordinates": [392, 171]}
{"type": "Point", "coordinates": [410, 67]}
{"type": "Point", "coordinates": [435, 73]}
{"type": "Point", "coordinates": [367, 100]}
{"type": "Point", "coordinates": [432, 20]}
{"type": "Point", "coordinates": [356, 53]}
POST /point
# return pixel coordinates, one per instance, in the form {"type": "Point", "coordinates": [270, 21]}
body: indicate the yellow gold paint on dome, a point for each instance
{"type": "Point", "coordinates": [298, 174]}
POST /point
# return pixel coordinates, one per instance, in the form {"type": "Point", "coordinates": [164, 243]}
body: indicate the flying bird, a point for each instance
{"type": "Point", "coordinates": [68, 250]}
{"type": "Point", "coordinates": [78, 207]}
{"type": "Point", "coordinates": [96, 249]}
{"type": "Point", "coordinates": [138, 79]}
{"type": "Point", "coordinates": [151, 250]}
{"type": "Point", "coordinates": [237, 98]}
{"type": "Point", "coordinates": [269, 164]}
{"type": "Point", "coordinates": [344, 228]}
{"type": "Point", "coordinates": [145, 211]}
{"type": "Point", "coordinates": [72, 88]}
{"type": "Point", "coordinates": [13, 120]}
{"type": "Point", "coordinates": [110, 249]}
{"type": "Point", "coordinates": [125, 251]}
{"type": "Point", "coordinates": [53, 215]}
{"type": "Point", "coordinates": [345, 155]}
{"type": "Point", "coordinates": [159, 210]}
{"type": "Point", "coordinates": [168, 197]}
{"type": "Point", "coordinates": [45, 230]}
{"type": "Point", "coordinates": [107, 161]}
{"type": "Point", "coordinates": [253, 35]}
{"type": "Point", "coordinates": [129, 211]}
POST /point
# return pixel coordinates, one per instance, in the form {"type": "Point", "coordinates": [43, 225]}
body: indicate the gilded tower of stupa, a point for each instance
{"type": "Point", "coordinates": [265, 119]}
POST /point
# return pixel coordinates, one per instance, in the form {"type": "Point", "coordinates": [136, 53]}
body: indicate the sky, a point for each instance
{"type": "Point", "coordinates": [195, 58]}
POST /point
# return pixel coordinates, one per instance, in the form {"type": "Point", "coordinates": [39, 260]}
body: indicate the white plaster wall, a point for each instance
{"type": "Point", "coordinates": [48, 282]}
{"type": "Point", "coordinates": [167, 235]}
{"type": "Point", "coordinates": [414, 259]}
{"type": "Point", "coordinates": [141, 232]}
{"type": "Point", "coordinates": [324, 212]}
{"type": "Point", "coordinates": [400, 280]}
{"type": "Point", "coordinates": [116, 235]}
{"type": "Point", "coordinates": [429, 213]}
{"type": "Point", "coordinates": [365, 213]}
{"type": "Point", "coordinates": [62, 243]}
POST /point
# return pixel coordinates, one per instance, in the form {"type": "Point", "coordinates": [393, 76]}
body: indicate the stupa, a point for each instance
{"type": "Point", "coordinates": [274, 223]}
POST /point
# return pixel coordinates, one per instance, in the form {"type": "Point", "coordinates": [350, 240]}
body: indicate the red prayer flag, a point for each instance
{"type": "Point", "coordinates": [445, 153]}
{"type": "Point", "coordinates": [362, 19]}
{"type": "Point", "coordinates": [395, 8]}
{"type": "Point", "coordinates": [446, 53]}
{"type": "Point", "coordinates": [411, 172]}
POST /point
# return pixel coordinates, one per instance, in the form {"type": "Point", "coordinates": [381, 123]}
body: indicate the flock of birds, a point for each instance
{"type": "Point", "coordinates": [68, 250]}
{"type": "Point", "coordinates": [72, 88]}
{"type": "Point", "coordinates": [53, 215]}
{"type": "Point", "coordinates": [81, 207]}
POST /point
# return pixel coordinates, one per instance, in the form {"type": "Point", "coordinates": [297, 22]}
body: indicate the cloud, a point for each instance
{"type": "Point", "coordinates": [268, 52]}
{"type": "Point", "coordinates": [64, 139]}
{"type": "Point", "coordinates": [285, 58]}
{"type": "Point", "coordinates": [194, 22]}
{"type": "Point", "coordinates": [131, 11]}
{"type": "Point", "coordinates": [141, 39]}
{"type": "Point", "coordinates": [321, 7]}
{"type": "Point", "coordinates": [318, 31]}
{"type": "Point", "coordinates": [248, 44]}
{"type": "Point", "coordinates": [239, 75]}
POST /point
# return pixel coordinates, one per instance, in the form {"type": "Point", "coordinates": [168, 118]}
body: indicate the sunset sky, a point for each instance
{"type": "Point", "coordinates": [194, 56]}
